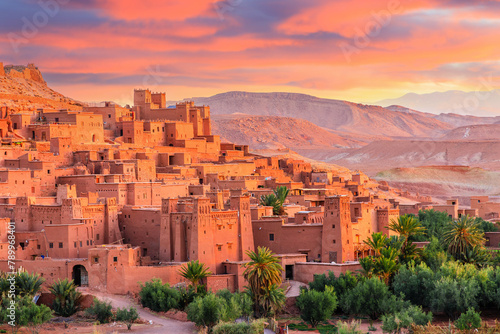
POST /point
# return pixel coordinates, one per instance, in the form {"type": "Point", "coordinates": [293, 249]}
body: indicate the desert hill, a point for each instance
{"type": "Point", "coordinates": [23, 88]}
{"type": "Point", "coordinates": [444, 181]}
{"type": "Point", "coordinates": [381, 155]}
{"type": "Point", "coordinates": [272, 132]}
{"type": "Point", "coordinates": [474, 133]}
{"type": "Point", "coordinates": [331, 114]}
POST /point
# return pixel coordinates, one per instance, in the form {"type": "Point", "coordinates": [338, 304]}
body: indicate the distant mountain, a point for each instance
{"type": "Point", "coordinates": [273, 132]}
{"type": "Point", "coordinates": [353, 118]}
{"type": "Point", "coordinates": [478, 103]}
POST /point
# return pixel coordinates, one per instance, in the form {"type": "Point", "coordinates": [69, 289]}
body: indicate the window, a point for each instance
{"type": "Point", "coordinates": [81, 245]}
{"type": "Point", "coordinates": [97, 236]}
{"type": "Point", "coordinates": [219, 247]}
{"type": "Point", "coordinates": [87, 242]}
{"type": "Point", "coordinates": [109, 115]}
{"type": "Point", "coordinates": [75, 244]}
{"type": "Point", "coordinates": [37, 246]}
{"type": "Point", "coordinates": [115, 259]}
{"type": "Point", "coordinates": [271, 236]}
{"type": "Point", "coordinates": [60, 245]}
{"type": "Point", "coordinates": [334, 241]}
{"type": "Point", "coordinates": [333, 225]}
{"type": "Point", "coordinates": [96, 259]}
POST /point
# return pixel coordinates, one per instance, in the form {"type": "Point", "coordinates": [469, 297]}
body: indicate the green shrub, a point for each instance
{"type": "Point", "coordinates": [67, 299]}
{"type": "Point", "coordinates": [414, 282]}
{"type": "Point", "coordinates": [254, 327]}
{"type": "Point", "coordinates": [159, 297]}
{"type": "Point", "coordinates": [316, 306]}
{"type": "Point", "coordinates": [403, 319]}
{"type": "Point", "coordinates": [453, 296]}
{"type": "Point", "coordinates": [372, 298]}
{"type": "Point", "coordinates": [348, 328]}
{"type": "Point", "coordinates": [207, 311]}
{"type": "Point", "coordinates": [127, 316]}
{"type": "Point", "coordinates": [468, 320]}
{"type": "Point", "coordinates": [27, 313]}
{"type": "Point", "coordinates": [101, 310]}
{"type": "Point", "coordinates": [186, 296]}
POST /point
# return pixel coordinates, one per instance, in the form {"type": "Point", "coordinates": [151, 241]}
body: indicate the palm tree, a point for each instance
{"type": "Point", "coordinates": [28, 284]}
{"type": "Point", "coordinates": [281, 194]}
{"type": "Point", "coordinates": [386, 264]}
{"type": "Point", "coordinates": [262, 272]}
{"type": "Point", "coordinates": [271, 200]}
{"type": "Point", "coordinates": [66, 298]}
{"type": "Point", "coordinates": [461, 235]}
{"type": "Point", "coordinates": [407, 226]}
{"type": "Point", "coordinates": [376, 242]}
{"type": "Point", "coordinates": [194, 272]}
{"type": "Point", "coordinates": [273, 299]}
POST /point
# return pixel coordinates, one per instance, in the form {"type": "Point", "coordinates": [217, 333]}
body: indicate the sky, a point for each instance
{"type": "Point", "coordinates": [362, 51]}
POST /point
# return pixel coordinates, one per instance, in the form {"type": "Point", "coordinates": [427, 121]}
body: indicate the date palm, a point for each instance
{"type": "Point", "coordinates": [271, 200]}
{"type": "Point", "coordinates": [194, 272]}
{"type": "Point", "coordinates": [28, 284]}
{"type": "Point", "coordinates": [262, 272]}
{"type": "Point", "coordinates": [376, 242]}
{"type": "Point", "coordinates": [461, 235]}
{"type": "Point", "coordinates": [407, 227]}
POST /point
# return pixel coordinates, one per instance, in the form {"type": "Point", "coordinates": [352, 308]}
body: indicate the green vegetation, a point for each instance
{"type": "Point", "coordinates": [194, 272]}
{"type": "Point", "coordinates": [468, 320]}
{"type": "Point", "coordinates": [159, 297]}
{"type": "Point", "coordinates": [67, 299]}
{"type": "Point", "coordinates": [316, 306]}
{"type": "Point", "coordinates": [263, 274]}
{"type": "Point", "coordinates": [276, 200]}
{"type": "Point", "coordinates": [28, 314]}
{"type": "Point", "coordinates": [128, 316]}
{"type": "Point", "coordinates": [100, 310]}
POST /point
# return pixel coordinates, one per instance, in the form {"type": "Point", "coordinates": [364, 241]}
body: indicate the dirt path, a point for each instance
{"type": "Point", "coordinates": [294, 290]}
{"type": "Point", "coordinates": [160, 325]}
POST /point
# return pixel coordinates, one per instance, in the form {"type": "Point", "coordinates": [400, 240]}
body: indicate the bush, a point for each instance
{"type": "Point", "coordinates": [27, 313]}
{"type": "Point", "coordinates": [100, 310]}
{"type": "Point", "coordinates": [453, 296]}
{"type": "Point", "coordinates": [372, 298]}
{"type": "Point", "coordinates": [127, 316]}
{"type": "Point", "coordinates": [468, 320]}
{"type": "Point", "coordinates": [254, 327]}
{"type": "Point", "coordinates": [316, 306]}
{"type": "Point", "coordinates": [159, 297]}
{"type": "Point", "coordinates": [67, 299]}
{"type": "Point", "coordinates": [207, 311]}
{"type": "Point", "coordinates": [186, 296]}
{"type": "Point", "coordinates": [348, 328]}
{"type": "Point", "coordinates": [403, 319]}
{"type": "Point", "coordinates": [238, 304]}
{"type": "Point", "coordinates": [414, 282]}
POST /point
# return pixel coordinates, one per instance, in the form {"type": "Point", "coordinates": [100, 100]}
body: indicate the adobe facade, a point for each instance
{"type": "Point", "coordinates": [110, 196]}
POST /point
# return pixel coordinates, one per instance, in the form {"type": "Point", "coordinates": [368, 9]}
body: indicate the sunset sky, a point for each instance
{"type": "Point", "coordinates": [362, 51]}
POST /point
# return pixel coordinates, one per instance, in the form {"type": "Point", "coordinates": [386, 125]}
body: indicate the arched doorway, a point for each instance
{"type": "Point", "coordinates": [80, 275]}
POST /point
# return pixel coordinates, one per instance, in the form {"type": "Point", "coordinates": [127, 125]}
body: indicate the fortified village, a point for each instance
{"type": "Point", "coordinates": [111, 196]}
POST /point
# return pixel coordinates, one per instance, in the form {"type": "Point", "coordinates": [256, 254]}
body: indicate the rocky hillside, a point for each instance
{"type": "Point", "coordinates": [23, 88]}
{"type": "Point", "coordinates": [331, 114]}
{"type": "Point", "coordinates": [271, 132]}
{"type": "Point", "coordinates": [444, 181]}
{"type": "Point", "coordinates": [475, 132]}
